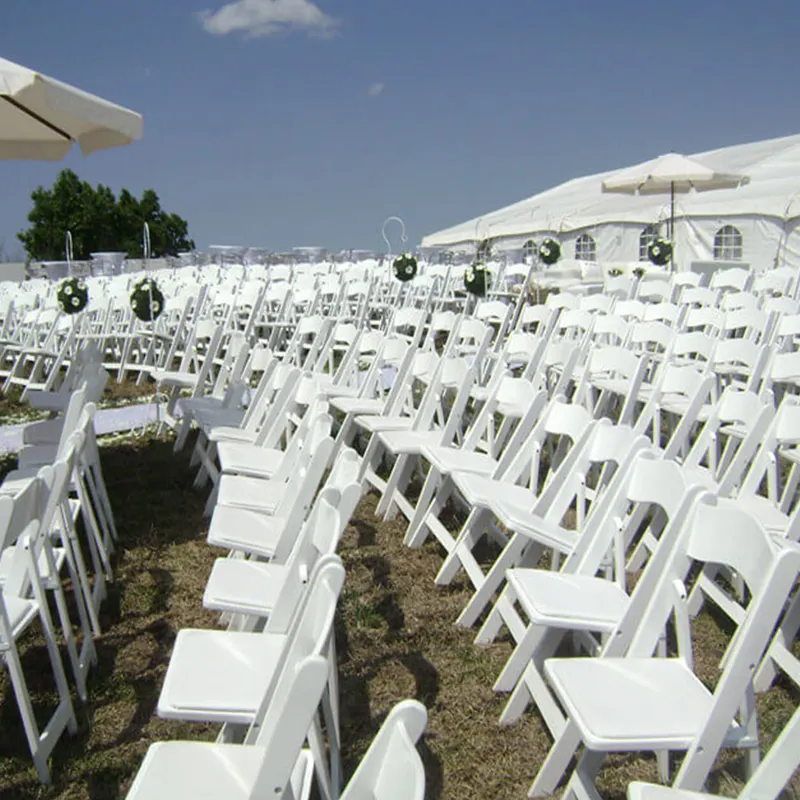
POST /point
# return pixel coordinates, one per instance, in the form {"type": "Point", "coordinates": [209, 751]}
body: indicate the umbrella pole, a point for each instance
{"type": "Point", "coordinates": [672, 223]}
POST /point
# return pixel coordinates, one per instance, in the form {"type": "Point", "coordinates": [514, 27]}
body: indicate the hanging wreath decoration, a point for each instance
{"type": "Point", "coordinates": [405, 267]}
{"type": "Point", "coordinates": [147, 300]}
{"type": "Point", "coordinates": [549, 251]}
{"type": "Point", "coordinates": [659, 251]}
{"type": "Point", "coordinates": [72, 295]}
{"type": "Point", "coordinates": [477, 279]}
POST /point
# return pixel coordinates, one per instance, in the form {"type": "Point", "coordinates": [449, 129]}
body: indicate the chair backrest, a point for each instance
{"type": "Point", "coordinates": [561, 426]}
{"type": "Point", "coordinates": [750, 416]}
{"type": "Point", "coordinates": [295, 691]}
{"type": "Point", "coordinates": [303, 484]}
{"type": "Point", "coordinates": [649, 506]}
{"type": "Point", "coordinates": [317, 537]}
{"type": "Point", "coordinates": [392, 769]}
{"type": "Point", "coordinates": [728, 536]}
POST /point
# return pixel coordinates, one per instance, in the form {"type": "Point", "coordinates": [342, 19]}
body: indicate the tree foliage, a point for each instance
{"type": "Point", "coordinates": [99, 222]}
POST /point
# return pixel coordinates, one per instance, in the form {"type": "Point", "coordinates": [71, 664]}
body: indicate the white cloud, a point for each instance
{"type": "Point", "coordinates": [376, 89]}
{"type": "Point", "coordinates": [267, 17]}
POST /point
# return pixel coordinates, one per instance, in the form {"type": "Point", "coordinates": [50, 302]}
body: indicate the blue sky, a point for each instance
{"type": "Point", "coordinates": [280, 123]}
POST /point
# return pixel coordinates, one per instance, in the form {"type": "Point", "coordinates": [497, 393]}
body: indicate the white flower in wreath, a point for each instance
{"type": "Point", "coordinates": [67, 290]}
{"type": "Point", "coordinates": [545, 250]}
{"type": "Point", "coordinates": [656, 250]}
{"type": "Point", "coordinates": [81, 284]}
{"type": "Point", "coordinates": [76, 302]}
{"type": "Point", "coordinates": [470, 275]}
{"type": "Point", "coordinates": [155, 307]}
{"type": "Point", "coordinates": [134, 304]}
{"type": "Point", "coordinates": [409, 270]}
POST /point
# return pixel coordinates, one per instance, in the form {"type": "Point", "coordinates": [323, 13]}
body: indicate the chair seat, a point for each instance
{"type": "Point", "coordinates": [16, 480]}
{"type": "Point", "coordinates": [607, 383]}
{"type": "Point", "coordinates": [478, 490]}
{"type": "Point", "coordinates": [771, 517]}
{"type": "Point", "coordinates": [218, 676]}
{"type": "Point", "coordinates": [246, 587]}
{"type": "Point", "coordinates": [254, 493]}
{"type": "Point", "coordinates": [209, 418]}
{"type": "Point", "coordinates": [358, 405]}
{"type": "Point", "coordinates": [21, 612]}
{"type": "Point", "coordinates": [200, 770]}
{"type": "Point", "coordinates": [8, 559]}
{"type": "Point", "coordinates": [182, 380]}
{"type": "Point", "coordinates": [227, 433]}
{"type": "Point", "coordinates": [522, 520]}
{"type": "Point", "coordinates": [381, 423]}
{"type": "Point", "coordinates": [653, 791]}
{"type": "Point", "coordinates": [411, 442]}
{"type": "Point", "coordinates": [579, 602]}
{"type": "Point", "coordinates": [243, 458]}
{"type": "Point", "coordinates": [242, 529]}
{"type": "Point", "coordinates": [452, 459]}
{"type": "Point", "coordinates": [631, 703]}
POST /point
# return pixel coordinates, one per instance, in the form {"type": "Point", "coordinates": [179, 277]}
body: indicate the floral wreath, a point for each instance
{"type": "Point", "coordinates": [405, 267]}
{"type": "Point", "coordinates": [550, 251]}
{"type": "Point", "coordinates": [72, 295]}
{"type": "Point", "coordinates": [147, 300]}
{"type": "Point", "coordinates": [659, 251]}
{"type": "Point", "coordinates": [477, 279]}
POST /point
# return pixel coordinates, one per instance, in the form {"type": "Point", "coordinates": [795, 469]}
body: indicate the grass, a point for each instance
{"type": "Point", "coordinates": [395, 639]}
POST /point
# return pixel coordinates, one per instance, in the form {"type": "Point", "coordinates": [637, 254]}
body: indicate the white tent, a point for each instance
{"type": "Point", "coordinates": [758, 223]}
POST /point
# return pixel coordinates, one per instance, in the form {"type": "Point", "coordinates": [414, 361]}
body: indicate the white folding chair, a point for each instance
{"type": "Point", "coordinates": [635, 701]}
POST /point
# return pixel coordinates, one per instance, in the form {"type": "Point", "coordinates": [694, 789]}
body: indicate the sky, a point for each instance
{"type": "Point", "coordinates": [282, 123]}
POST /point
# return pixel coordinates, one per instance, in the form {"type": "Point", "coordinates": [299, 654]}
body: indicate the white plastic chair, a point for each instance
{"type": "Point", "coordinates": [640, 702]}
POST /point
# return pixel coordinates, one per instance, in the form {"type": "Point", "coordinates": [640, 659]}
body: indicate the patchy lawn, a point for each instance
{"type": "Point", "coordinates": [395, 638]}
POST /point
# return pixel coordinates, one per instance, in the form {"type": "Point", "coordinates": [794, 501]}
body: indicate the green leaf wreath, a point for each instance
{"type": "Point", "coordinates": [549, 251]}
{"type": "Point", "coordinates": [477, 279]}
{"type": "Point", "coordinates": [72, 295]}
{"type": "Point", "coordinates": [659, 251]}
{"type": "Point", "coordinates": [405, 267]}
{"type": "Point", "coordinates": [147, 300]}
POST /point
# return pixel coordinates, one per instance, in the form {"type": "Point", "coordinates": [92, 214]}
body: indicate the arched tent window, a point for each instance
{"type": "Point", "coordinates": [649, 234]}
{"type": "Point", "coordinates": [728, 244]}
{"type": "Point", "coordinates": [585, 248]}
{"type": "Point", "coordinates": [528, 249]}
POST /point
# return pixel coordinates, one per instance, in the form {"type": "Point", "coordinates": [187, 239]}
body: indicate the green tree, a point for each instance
{"type": "Point", "coordinates": [99, 221]}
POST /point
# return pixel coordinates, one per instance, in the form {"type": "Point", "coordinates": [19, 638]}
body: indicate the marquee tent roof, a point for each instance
{"type": "Point", "coordinates": [773, 190]}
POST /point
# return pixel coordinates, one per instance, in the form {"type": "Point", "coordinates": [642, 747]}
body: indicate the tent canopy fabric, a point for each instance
{"type": "Point", "coordinates": [41, 117]}
{"type": "Point", "coordinates": [772, 191]}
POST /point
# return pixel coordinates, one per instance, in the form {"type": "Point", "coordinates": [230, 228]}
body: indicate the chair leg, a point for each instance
{"type": "Point", "coordinates": [555, 764]}
{"type": "Point", "coordinates": [398, 479]}
{"type": "Point", "coordinates": [470, 535]}
{"type": "Point", "coordinates": [426, 505]}
{"type": "Point", "coordinates": [492, 581]}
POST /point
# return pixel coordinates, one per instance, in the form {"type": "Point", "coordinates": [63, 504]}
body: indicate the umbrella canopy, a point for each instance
{"type": "Point", "coordinates": [41, 117]}
{"type": "Point", "coordinates": [671, 173]}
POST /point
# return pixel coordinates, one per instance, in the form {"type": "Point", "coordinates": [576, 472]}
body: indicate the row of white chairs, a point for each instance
{"type": "Point", "coordinates": [57, 525]}
{"type": "Point", "coordinates": [270, 679]}
{"type": "Point", "coordinates": [528, 459]}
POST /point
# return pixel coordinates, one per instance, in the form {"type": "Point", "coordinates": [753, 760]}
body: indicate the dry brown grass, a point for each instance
{"type": "Point", "coordinates": [395, 638]}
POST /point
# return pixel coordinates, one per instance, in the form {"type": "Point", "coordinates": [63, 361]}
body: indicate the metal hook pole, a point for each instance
{"type": "Point", "coordinates": [403, 239]}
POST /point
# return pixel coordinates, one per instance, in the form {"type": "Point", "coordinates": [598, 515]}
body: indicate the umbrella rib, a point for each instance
{"type": "Point", "coordinates": [35, 116]}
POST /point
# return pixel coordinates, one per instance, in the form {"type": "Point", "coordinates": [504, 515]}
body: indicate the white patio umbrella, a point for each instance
{"type": "Point", "coordinates": [41, 117]}
{"type": "Point", "coordinates": [671, 173]}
